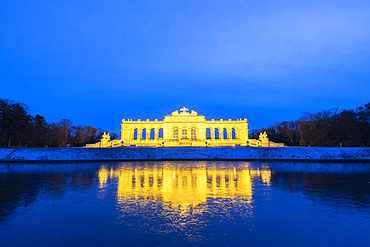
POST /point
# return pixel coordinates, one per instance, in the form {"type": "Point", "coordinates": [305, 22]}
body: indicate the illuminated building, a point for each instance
{"type": "Point", "coordinates": [184, 129]}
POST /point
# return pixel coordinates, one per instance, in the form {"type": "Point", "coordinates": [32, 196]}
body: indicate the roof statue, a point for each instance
{"type": "Point", "coordinates": [184, 128]}
{"type": "Point", "coordinates": [105, 137]}
{"type": "Point", "coordinates": [184, 111]}
{"type": "Point", "coordinates": [263, 138]}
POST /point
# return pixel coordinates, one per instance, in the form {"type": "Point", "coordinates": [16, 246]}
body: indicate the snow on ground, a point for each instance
{"type": "Point", "coordinates": [183, 153]}
{"type": "Point", "coordinates": [5, 152]}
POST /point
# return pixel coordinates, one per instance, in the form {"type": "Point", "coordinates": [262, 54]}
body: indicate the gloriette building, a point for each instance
{"type": "Point", "coordinates": [183, 128]}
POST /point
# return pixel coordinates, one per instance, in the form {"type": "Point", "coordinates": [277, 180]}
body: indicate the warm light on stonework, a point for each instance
{"type": "Point", "coordinates": [184, 129]}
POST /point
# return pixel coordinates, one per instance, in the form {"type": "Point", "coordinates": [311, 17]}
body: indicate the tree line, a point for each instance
{"type": "Point", "coordinates": [327, 128]}
{"type": "Point", "coordinates": [18, 128]}
{"type": "Point", "coordinates": [351, 128]}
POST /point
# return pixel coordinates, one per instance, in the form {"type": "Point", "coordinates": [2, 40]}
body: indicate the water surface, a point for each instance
{"type": "Point", "coordinates": [185, 204]}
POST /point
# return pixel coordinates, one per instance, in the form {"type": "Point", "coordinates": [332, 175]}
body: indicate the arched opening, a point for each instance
{"type": "Point", "coordinates": [160, 133]}
{"type": "Point", "coordinates": [143, 134]}
{"type": "Point", "coordinates": [233, 134]}
{"type": "Point", "coordinates": [208, 133]}
{"type": "Point", "coordinates": [152, 134]}
{"type": "Point", "coordinates": [184, 134]}
{"type": "Point", "coordinates": [217, 133]}
{"type": "Point", "coordinates": [134, 136]}
{"type": "Point", "coordinates": [175, 133]}
{"type": "Point", "coordinates": [225, 133]}
{"type": "Point", "coordinates": [193, 133]}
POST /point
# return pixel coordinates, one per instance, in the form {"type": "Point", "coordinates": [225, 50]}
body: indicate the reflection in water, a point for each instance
{"type": "Point", "coordinates": [182, 197]}
{"type": "Point", "coordinates": [179, 203]}
{"type": "Point", "coordinates": [183, 185]}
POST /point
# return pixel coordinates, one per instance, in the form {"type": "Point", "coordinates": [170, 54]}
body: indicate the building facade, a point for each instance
{"type": "Point", "coordinates": [183, 128]}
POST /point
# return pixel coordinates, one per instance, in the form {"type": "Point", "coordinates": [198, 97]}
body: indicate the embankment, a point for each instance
{"type": "Point", "coordinates": [25, 155]}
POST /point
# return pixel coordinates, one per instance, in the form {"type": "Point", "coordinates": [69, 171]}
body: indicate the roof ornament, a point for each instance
{"type": "Point", "coordinates": [184, 111]}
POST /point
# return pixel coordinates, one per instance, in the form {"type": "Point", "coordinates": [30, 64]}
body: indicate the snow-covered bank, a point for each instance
{"type": "Point", "coordinates": [188, 153]}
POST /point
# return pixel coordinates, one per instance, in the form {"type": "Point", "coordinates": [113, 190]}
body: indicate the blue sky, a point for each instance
{"type": "Point", "coordinates": [96, 62]}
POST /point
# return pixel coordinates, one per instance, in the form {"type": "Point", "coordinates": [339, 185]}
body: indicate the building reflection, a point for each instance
{"type": "Point", "coordinates": [181, 197]}
{"type": "Point", "coordinates": [183, 184]}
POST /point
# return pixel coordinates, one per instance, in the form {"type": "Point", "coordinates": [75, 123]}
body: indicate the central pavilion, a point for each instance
{"type": "Point", "coordinates": [183, 128]}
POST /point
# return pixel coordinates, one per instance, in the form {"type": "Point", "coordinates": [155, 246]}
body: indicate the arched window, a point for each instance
{"type": "Point", "coordinates": [193, 133]}
{"type": "Point", "coordinates": [217, 133]}
{"type": "Point", "coordinates": [160, 133]}
{"type": "Point", "coordinates": [175, 133]}
{"type": "Point", "coordinates": [184, 134]}
{"type": "Point", "coordinates": [208, 133]}
{"type": "Point", "coordinates": [152, 134]}
{"type": "Point", "coordinates": [226, 131]}
{"type": "Point", "coordinates": [134, 136]}
{"type": "Point", "coordinates": [143, 135]}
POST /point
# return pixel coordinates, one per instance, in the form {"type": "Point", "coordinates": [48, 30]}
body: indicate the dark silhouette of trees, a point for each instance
{"type": "Point", "coordinates": [83, 135]}
{"type": "Point", "coordinates": [40, 131]}
{"type": "Point", "coordinates": [64, 132]}
{"type": "Point", "coordinates": [79, 137]}
{"type": "Point", "coordinates": [92, 134]}
{"type": "Point", "coordinates": [114, 136]}
{"type": "Point", "coordinates": [16, 126]}
{"type": "Point", "coordinates": [18, 129]}
{"type": "Point", "coordinates": [329, 128]}
{"type": "Point", "coordinates": [333, 127]}
{"type": "Point", "coordinates": [363, 115]}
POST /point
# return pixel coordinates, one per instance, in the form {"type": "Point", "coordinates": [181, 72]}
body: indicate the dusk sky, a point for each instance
{"type": "Point", "coordinates": [97, 62]}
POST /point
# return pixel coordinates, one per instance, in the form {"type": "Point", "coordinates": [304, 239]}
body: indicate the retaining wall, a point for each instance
{"type": "Point", "coordinates": [184, 153]}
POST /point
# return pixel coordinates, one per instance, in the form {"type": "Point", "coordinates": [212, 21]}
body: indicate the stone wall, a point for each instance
{"type": "Point", "coordinates": [183, 153]}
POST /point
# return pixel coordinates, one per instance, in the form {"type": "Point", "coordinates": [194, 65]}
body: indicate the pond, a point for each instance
{"type": "Point", "coordinates": [185, 204]}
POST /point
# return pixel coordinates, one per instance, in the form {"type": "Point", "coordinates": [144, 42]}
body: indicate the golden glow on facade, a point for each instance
{"type": "Point", "coordinates": [184, 129]}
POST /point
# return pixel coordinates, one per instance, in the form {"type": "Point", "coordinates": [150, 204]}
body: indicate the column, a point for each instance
{"type": "Point", "coordinates": [222, 182]}
{"type": "Point", "coordinates": [212, 133]}
{"type": "Point", "coordinates": [156, 132]}
{"type": "Point", "coordinates": [139, 134]}
{"type": "Point", "coordinates": [148, 134]}
{"type": "Point", "coordinates": [221, 133]}
{"type": "Point", "coordinates": [201, 133]}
